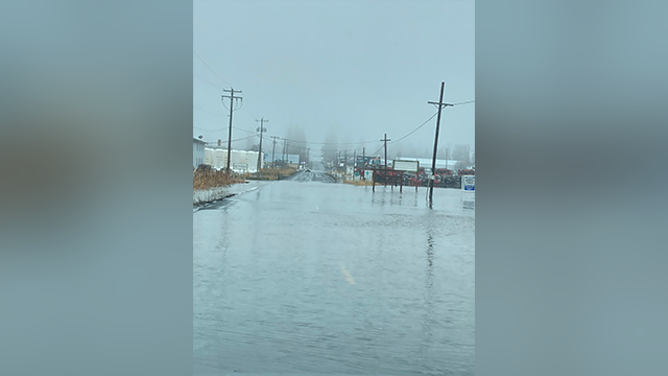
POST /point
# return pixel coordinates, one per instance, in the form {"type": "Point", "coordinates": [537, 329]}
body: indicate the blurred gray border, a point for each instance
{"type": "Point", "coordinates": [96, 224]}
{"type": "Point", "coordinates": [571, 191]}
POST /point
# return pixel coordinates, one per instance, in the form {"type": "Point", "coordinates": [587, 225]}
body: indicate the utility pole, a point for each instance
{"type": "Point", "coordinates": [363, 162]}
{"type": "Point", "coordinates": [259, 156]}
{"type": "Point", "coordinates": [438, 124]}
{"type": "Point", "coordinates": [229, 136]}
{"type": "Point", "coordinates": [385, 140]}
{"type": "Point", "coordinates": [354, 163]}
{"type": "Point", "coordinates": [308, 155]}
{"type": "Point", "coordinates": [273, 150]}
{"type": "Point", "coordinates": [285, 143]}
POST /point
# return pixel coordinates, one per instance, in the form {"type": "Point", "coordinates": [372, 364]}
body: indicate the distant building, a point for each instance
{"type": "Point", "coordinates": [426, 162]}
{"type": "Point", "coordinates": [242, 161]}
{"type": "Point", "coordinates": [198, 152]}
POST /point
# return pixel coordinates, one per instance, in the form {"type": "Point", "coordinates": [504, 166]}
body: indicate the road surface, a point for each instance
{"type": "Point", "coordinates": [306, 276]}
{"type": "Point", "coordinates": [312, 176]}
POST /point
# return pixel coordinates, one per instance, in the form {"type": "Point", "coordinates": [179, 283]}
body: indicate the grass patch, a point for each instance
{"type": "Point", "coordinates": [273, 173]}
{"type": "Point", "coordinates": [207, 179]}
{"type": "Point", "coordinates": [359, 183]}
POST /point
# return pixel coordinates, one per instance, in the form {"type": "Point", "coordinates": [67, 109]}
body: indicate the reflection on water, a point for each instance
{"type": "Point", "coordinates": [468, 203]}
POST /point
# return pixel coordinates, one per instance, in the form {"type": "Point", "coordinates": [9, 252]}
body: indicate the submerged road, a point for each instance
{"type": "Point", "coordinates": [306, 276]}
{"type": "Point", "coordinates": [312, 176]}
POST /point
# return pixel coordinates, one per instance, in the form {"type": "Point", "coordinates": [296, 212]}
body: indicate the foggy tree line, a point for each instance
{"type": "Point", "coordinates": [329, 151]}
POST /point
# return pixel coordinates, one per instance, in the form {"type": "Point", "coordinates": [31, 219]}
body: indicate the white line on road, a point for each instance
{"type": "Point", "coordinates": [347, 275]}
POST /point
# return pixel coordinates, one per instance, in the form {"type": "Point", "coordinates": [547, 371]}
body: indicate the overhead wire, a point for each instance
{"type": "Point", "coordinates": [209, 112]}
{"type": "Point", "coordinates": [207, 65]}
{"type": "Point", "coordinates": [205, 129]}
{"type": "Point", "coordinates": [206, 80]}
{"type": "Point", "coordinates": [373, 141]}
{"type": "Point", "coordinates": [218, 114]}
{"type": "Point", "coordinates": [414, 130]}
{"type": "Point", "coordinates": [238, 139]}
{"type": "Point", "coordinates": [379, 149]}
{"type": "Point", "coordinates": [342, 143]}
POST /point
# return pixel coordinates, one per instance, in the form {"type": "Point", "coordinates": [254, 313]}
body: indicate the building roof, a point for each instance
{"type": "Point", "coordinates": [198, 140]}
{"type": "Point", "coordinates": [426, 162]}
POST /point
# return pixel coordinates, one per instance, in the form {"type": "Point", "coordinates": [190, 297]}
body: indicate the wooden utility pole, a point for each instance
{"type": "Point", "coordinates": [385, 140]}
{"type": "Point", "coordinates": [440, 105]}
{"type": "Point", "coordinates": [363, 163]}
{"type": "Point", "coordinates": [259, 156]}
{"type": "Point", "coordinates": [285, 143]}
{"type": "Point", "coordinates": [273, 150]}
{"type": "Point", "coordinates": [354, 163]}
{"type": "Point", "coordinates": [229, 136]}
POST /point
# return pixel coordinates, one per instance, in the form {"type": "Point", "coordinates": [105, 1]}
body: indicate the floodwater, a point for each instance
{"type": "Point", "coordinates": [306, 276]}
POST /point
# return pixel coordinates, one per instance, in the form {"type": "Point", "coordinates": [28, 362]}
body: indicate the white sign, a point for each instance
{"type": "Point", "coordinates": [468, 183]}
{"type": "Point", "coordinates": [410, 166]}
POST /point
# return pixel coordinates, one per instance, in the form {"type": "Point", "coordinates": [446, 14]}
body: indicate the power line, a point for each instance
{"type": "Point", "coordinates": [216, 130]}
{"type": "Point", "coordinates": [243, 130]}
{"type": "Point", "coordinates": [207, 81]}
{"type": "Point", "coordinates": [207, 65]}
{"type": "Point", "coordinates": [373, 141]}
{"type": "Point", "coordinates": [208, 112]}
{"type": "Point", "coordinates": [379, 149]}
{"type": "Point", "coordinates": [326, 143]}
{"type": "Point", "coordinates": [415, 130]}
{"type": "Point", "coordinates": [206, 129]}
{"type": "Point", "coordinates": [427, 121]}
{"type": "Point", "coordinates": [218, 114]}
{"type": "Point", "coordinates": [238, 139]}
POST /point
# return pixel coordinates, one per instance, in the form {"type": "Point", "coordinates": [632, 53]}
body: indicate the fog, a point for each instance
{"type": "Point", "coordinates": [356, 70]}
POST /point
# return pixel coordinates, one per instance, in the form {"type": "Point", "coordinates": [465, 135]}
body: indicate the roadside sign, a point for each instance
{"type": "Point", "coordinates": [468, 183]}
{"type": "Point", "coordinates": [408, 166]}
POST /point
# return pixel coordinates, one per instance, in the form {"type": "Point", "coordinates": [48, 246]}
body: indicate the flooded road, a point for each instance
{"type": "Point", "coordinates": [306, 276]}
{"type": "Point", "coordinates": [312, 176]}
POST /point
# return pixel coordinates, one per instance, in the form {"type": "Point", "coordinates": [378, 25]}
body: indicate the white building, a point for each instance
{"type": "Point", "coordinates": [242, 160]}
{"type": "Point", "coordinates": [426, 162]}
{"type": "Point", "coordinates": [198, 152]}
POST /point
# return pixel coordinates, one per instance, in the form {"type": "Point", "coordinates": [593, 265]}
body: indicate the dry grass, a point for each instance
{"type": "Point", "coordinates": [212, 179]}
{"type": "Point", "coordinates": [358, 183]}
{"type": "Point", "coordinates": [275, 173]}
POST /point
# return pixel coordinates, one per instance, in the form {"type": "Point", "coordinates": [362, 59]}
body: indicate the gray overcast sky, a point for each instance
{"type": "Point", "coordinates": [362, 67]}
